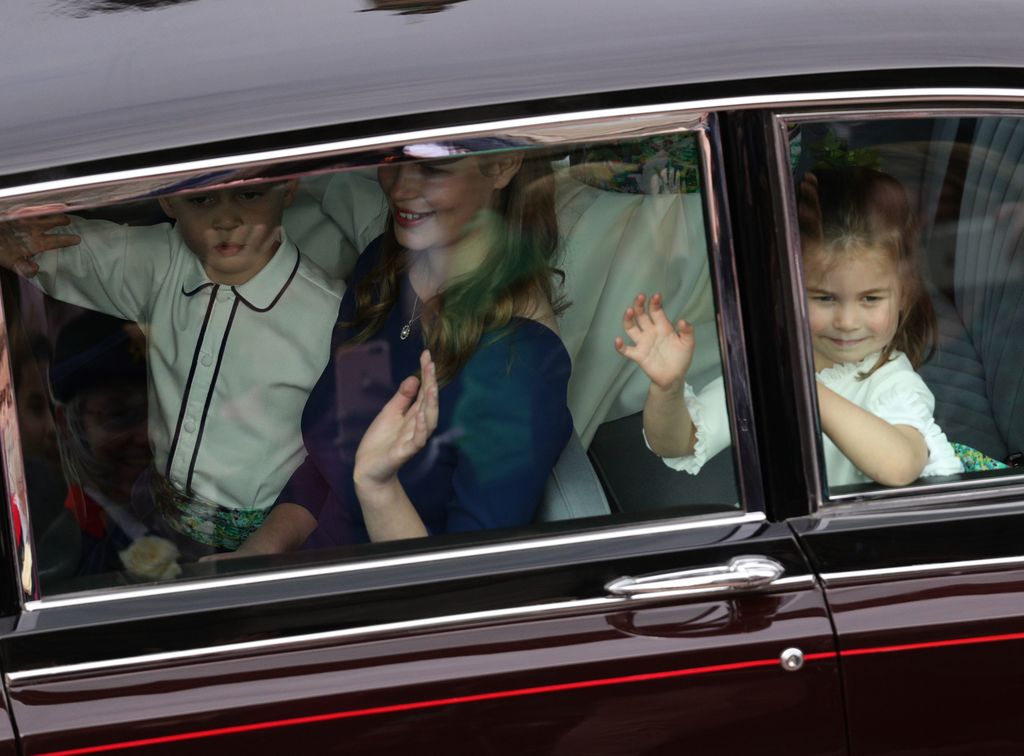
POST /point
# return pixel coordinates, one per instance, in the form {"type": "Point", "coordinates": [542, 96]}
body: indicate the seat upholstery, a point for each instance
{"type": "Point", "coordinates": [572, 490]}
{"type": "Point", "coordinates": [978, 373]}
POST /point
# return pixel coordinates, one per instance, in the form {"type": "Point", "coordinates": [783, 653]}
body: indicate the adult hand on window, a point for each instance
{"type": "Point", "coordinates": [400, 429]}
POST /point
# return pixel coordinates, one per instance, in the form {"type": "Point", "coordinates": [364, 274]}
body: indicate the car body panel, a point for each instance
{"type": "Point", "coordinates": [250, 73]}
{"type": "Point", "coordinates": [911, 622]}
{"type": "Point", "coordinates": [576, 673]}
{"type": "Point", "coordinates": [931, 603]}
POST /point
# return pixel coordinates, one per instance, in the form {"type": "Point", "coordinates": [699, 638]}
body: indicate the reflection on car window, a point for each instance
{"type": "Point", "coordinates": [910, 231]}
{"type": "Point", "coordinates": [423, 349]}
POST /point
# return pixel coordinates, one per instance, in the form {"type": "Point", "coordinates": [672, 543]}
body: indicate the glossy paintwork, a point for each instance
{"type": "Point", "coordinates": [761, 266]}
{"type": "Point", "coordinates": [687, 638]}
{"type": "Point", "coordinates": [712, 710]}
{"type": "Point", "coordinates": [962, 698]}
{"type": "Point", "coordinates": [333, 70]}
{"type": "Point", "coordinates": [389, 592]}
{"type": "Point", "coordinates": [865, 541]}
{"type": "Point", "coordinates": [8, 740]}
{"type": "Point", "coordinates": [122, 82]}
{"type": "Point", "coordinates": [957, 695]}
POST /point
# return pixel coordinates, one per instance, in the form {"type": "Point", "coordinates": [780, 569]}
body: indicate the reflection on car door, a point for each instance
{"type": "Point", "coordinates": [513, 649]}
{"type": "Point", "coordinates": [930, 626]}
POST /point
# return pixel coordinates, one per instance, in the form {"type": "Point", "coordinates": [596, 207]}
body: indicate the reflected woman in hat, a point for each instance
{"type": "Point", "coordinates": [98, 383]}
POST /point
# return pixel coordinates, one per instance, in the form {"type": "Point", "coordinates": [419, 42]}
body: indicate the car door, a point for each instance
{"type": "Point", "coordinates": [925, 584]}
{"type": "Point", "coordinates": [696, 624]}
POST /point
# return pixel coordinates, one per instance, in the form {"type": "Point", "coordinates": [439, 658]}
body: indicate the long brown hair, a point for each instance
{"type": "Point", "coordinates": [519, 266]}
{"type": "Point", "coordinates": [856, 208]}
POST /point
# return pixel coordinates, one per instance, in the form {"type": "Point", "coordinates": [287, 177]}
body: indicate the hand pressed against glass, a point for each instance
{"type": "Point", "coordinates": [21, 240]}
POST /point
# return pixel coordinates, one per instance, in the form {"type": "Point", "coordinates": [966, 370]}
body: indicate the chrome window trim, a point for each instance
{"type": "Point", "coordinates": [835, 579]}
{"type": "Point", "coordinates": [521, 612]}
{"type": "Point", "coordinates": [982, 488]}
{"type": "Point", "coordinates": [740, 518]}
{"type": "Point", "coordinates": [594, 125]}
{"type": "Point", "coordinates": [803, 365]}
{"type": "Point", "coordinates": [591, 125]}
{"type": "Point", "coordinates": [574, 130]}
{"type": "Point", "coordinates": [731, 338]}
{"type": "Point", "coordinates": [918, 494]}
{"type": "Point", "coordinates": [1006, 500]}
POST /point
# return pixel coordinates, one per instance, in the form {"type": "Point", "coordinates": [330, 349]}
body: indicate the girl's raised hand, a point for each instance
{"type": "Point", "coordinates": [662, 351]}
{"type": "Point", "coordinates": [400, 430]}
{"type": "Point", "coordinates": [20, 240]}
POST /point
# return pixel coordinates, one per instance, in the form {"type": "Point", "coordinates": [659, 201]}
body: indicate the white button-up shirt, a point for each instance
{"type": "Point", "coordinates": [230, 367]}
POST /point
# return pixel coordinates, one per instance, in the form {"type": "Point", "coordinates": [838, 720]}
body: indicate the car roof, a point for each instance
{"type": "Point", "coordinates": [92, 79]}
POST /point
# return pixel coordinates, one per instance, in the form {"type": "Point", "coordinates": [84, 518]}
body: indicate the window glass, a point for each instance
{"type": "Point", "coordinates": [240, 370]}
{"type": "Point", "coordinates": [911, 242]}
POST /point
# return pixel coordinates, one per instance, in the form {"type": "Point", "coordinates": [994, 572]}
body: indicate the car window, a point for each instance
{"type": "Point", "coordinates": [239, 368]}
{"type": "Point", "coordinates": [910, 239]}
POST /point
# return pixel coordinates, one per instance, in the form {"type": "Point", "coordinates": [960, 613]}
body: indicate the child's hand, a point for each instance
{"type": "Point", "coordinates": [400, 430]}
{"type": "Point", "coordinates": [20, 240]}
{"type": "Point", "coordinates": [662, 352]}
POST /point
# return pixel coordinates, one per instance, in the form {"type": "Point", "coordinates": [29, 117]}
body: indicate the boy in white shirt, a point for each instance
{"type": "Point", "coordinates": [238, 327]}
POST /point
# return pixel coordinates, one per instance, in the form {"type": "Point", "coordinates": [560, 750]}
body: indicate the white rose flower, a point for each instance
{"type": "Point", "coordinates": [151, 558]}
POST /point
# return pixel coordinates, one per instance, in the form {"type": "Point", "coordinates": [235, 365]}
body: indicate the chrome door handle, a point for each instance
{"type": "Point", "coordinates": [741, 573]}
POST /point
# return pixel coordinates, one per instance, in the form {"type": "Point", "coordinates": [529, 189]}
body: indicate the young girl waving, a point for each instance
{"type": "Point", "coordinates": [871, 325]}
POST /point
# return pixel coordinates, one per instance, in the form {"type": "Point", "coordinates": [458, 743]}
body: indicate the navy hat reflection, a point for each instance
{"type": "Point", "coordinates": [95, 350]}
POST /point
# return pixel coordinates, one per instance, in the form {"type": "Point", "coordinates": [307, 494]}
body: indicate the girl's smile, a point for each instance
{"type": "Point", "coordinates": [853, 305]}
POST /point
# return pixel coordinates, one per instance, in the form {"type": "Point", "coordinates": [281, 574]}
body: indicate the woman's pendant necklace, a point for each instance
{"type": "Point", "coordinates": [407, 328]}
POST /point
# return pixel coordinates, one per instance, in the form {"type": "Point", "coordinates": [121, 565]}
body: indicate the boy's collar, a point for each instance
{"type": "Point", "coordinates": [260, 292]}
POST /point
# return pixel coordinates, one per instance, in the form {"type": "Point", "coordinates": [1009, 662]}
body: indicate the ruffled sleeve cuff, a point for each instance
{"type": "Point", "coordinates": [908, 407]}
{"type": "Point", "coordinates": [710, 420]}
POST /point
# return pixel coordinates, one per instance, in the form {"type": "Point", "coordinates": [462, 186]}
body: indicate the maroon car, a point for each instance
{"type": "Point", "coordinates": [752, 596]}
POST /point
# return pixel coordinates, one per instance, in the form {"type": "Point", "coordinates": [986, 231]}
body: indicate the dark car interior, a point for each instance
{"type": "Point", "coordinates": [972, 206]}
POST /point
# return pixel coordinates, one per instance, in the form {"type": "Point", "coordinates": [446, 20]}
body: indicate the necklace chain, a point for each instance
{"type": "Point", "coordinates": [407, 328]}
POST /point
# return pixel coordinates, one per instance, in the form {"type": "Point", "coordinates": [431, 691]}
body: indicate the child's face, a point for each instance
{"type": "Point", "coordinates": [853, 304]}
{"type": "Point", "coordinates": [116, 434]}
{"type": "Point", "coordinates": [435, 204]}
{"type": "Point", "coordinates": [234, 232]}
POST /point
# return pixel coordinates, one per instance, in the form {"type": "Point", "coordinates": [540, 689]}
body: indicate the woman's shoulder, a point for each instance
{"type": "Point", "coordinates": [368, 258]}
{"type": "Point", "coordinates": [525, 348]}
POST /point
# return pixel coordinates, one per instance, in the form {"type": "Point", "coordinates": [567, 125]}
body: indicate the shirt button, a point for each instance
{"type": "Point", "coordinates": [207, 360]}
{"type": "Point", "coordinates": [190, 427]}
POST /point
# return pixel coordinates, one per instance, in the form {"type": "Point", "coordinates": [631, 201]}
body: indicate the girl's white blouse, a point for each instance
{"type": "Point", "coordinates": [894, 393]}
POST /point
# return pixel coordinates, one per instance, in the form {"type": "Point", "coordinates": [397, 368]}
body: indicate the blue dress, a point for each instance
{"type": "Point", "coordinates": [502, 423]}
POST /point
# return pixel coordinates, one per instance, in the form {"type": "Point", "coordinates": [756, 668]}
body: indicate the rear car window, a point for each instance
{"type": "Point", "coordinates": [238, 369]}
{"type": "Point", "coordinates": [911, 231]}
